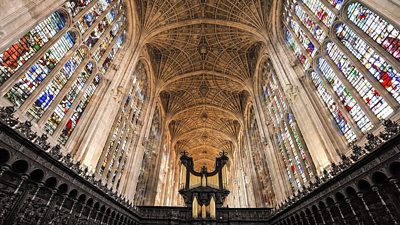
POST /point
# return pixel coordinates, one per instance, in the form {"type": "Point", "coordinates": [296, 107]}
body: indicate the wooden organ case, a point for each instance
{"type": "Point", "coordinates": [203, 191]}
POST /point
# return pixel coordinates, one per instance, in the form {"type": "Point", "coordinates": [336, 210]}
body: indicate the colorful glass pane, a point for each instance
{"type": "Point", "coordinates": [57, 83]}
{"type": "Point", "coordinates": [370, 95]}
{"type": "Point", "coordinates": [76, 6]}
{"type": "Point", "coordinates": [101, 49]}
{"type": "Point", "coordinates": [333, 108]}
{"type": "Point", "coordinates": [87, 20]}
{"type": "Point", "coordinates": [293, 44]}
{"type": "Point", "coordinates": [285, 131]}
{"type": "Point", "coordinates": [80, 109]}
{"type": "Point", "coordinates": [29, 81]}
{"type": "Point", "coordinates": [379, 29]}
{"type": "Point", "coordinates": [377, 65]}
{"type": "Point", "coordinates": [311, 25]}
{"type": "Point", "coordinates": [113, 52]}
{"type": "Point", "coordinates": [321, 11]}
{"type": "Point", "coordinates": [336, 3]}
{"type": "Point", "coordinates": [21, 51]}
{"type": "Point", "coordinates": [345, 97]}
{"type": "Point", "coordinates": [101, 28]}
{"type": "Point", "coordinates": [305, 41]}
{"type": "Point", "coordinates": [67, 101]}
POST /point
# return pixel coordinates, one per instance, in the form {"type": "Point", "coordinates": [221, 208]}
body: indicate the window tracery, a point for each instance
{"type": "Point", "coordinates": [19, 53]}
{"type": "Point", "coordinates": [351, 77]}
{"type": "Point", "coordinates": [377, 28]}
{"type": "Point", "coordinates": [61, 78]}
{"type": "Point", "coordinates": [123, 137]}
{"type": "Point", "coordinates": [261, 167]}
{"type": "Point", "coordinates": [76, 6]}
{"type": "Point", "coordinates": [284, 129]}
{"type": "Point", "coordinates": [337, 114]}
{"type": "Point", "coordinates": [30, 80]}
{"type": "Point", "coordinates": [90, 17]}
{"type": "Point", "coordinates": [345, 96]}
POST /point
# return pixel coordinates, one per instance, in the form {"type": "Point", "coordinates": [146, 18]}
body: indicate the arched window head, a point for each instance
{"type": "Point", "coordinates": [375, 63]}
{"type": "Point", "coordinates": [31, 79]}
{"type": "Point", "coordinates": [21, 51]}
{"type": "Point", "coordinates": [127, 125]}
{"type": "Point", "coordinates": [286, 135]}
{"type": "Point", "coordinates": [377, 28]}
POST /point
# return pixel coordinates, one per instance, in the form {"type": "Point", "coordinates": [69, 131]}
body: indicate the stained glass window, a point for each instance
{"type": "Point", "coordinates": [101, 49]}
{"type": "Point", "coordinates": [370, 59]}
{"type": "Point", "coordinates": [321, 11]}
{"type": "Point", "coordinates": [26, 47]}
{"type": "Point", "coordinates": [76, 6]}
{"type": "Point", "coordinates": [29, 81]}
{"type": "Point", "coordinates": [340, 120]}
{"type": "Point", "coordinates": [69, 98]}
{"type": "Point", "coordinates": [370, 95]}
{"type": "Point", "coordinates": [311, 25]}
{"type": "Point", "coordinates": [57, 83]}
{"type": "Point", "coordinates": [87, 20]}
{"type": "Point", "coordinates": [53, 79]}
{"type": "Point", "coordinates": [80, 109]}
{"type": "Point", "coordinates": [125, 125]}
{"type": "Point", "coordinates": [297, 50]}
{"type": "Point", "coordinates": [345, 97]}
{"type": "Point", "coordinates": [336, 3]}
{"type": "Point", "coordinates": [113, 52]}
{"type": "Point", "coordinates": [100, 28]}
{"type": "Point", "coordinates": [286, 134]}
{"type": "Point", "coordinates": [379, 29]}
{"type": "Point", "coordinates": [305, 41]}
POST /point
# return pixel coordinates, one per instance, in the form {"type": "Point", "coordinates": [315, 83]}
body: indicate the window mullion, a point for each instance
{"type": "Point", "coordinates": [360, 101]}
{"type": "Point", "coordinates": [131, 128]}
{"type": "Point", "coordinates": [278, 132]}
{"type": "Point", "coordinates": [392, 102]}
{"type": "Point", "coordinates": [114, 170]}
{"type": "Point", "coordinates": [106, 149]}
{"type": "Point", "coordinates": [346, 114]}
{"type": "Point", "coordinates": [330, 6]}
{"type": "Point", "coordinates": [311, 14]}
{"type": "Point", "coordinates": [62, 93]}
{"type": "Point", "coordinates": [285, 121]}
{"type": "Point", "coordinates": [303, 50]}
{"type": "Point", "coordinates": [111, 151]}
{"type": "Point", "coordinates": [108, 50]}
{"type": "Point", "coordinates": [99, 19]}
{"type": "Point", "coordinates": [124, 121]}
{"type": "Point", "coordinates": [386, 55]}
{"type": "Point", "coordinates": [316, 44]}
{"type": "Point", "coordinates": [8, 84]}
{"type": "Point", "coordinates": [119, 174]}
{"type": "Point", "coordinates": [292, 157]}
{"type": "Point", "coordinates": [289, 110]}
{"type": "Point", "coordinates": [105, 33]}
{"type": "Point", "coordinates": [285, 158]}
{"type": "Point", "coordinates": [88, 112]}
{"type": "Point", "coordinates": [74, 104]}
{"type": "Point", "coordinates": [84, 11]}
{"type": "Point", "coordinates": [132, 139]}
{"type": "Point", "coordinates": [39, 89]}
{"type": "Point", "coordinates": [326, 115]}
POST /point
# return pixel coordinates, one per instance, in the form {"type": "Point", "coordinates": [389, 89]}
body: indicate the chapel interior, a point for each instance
{"type": "Point", "coordinates": [204, 112]}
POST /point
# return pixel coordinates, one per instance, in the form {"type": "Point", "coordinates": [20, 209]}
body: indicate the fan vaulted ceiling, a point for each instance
{"type": "Point", "coordinates": [204, 53]}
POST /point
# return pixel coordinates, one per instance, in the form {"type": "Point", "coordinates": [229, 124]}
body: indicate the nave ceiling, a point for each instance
{"type": "Point", "coordinates": [204, 53]}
